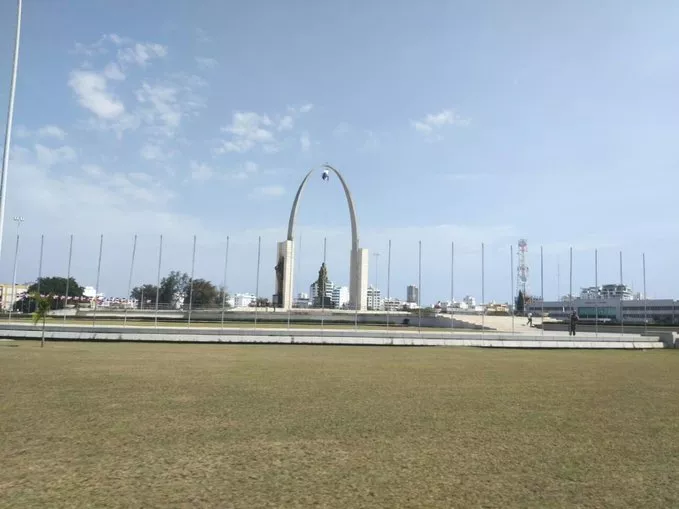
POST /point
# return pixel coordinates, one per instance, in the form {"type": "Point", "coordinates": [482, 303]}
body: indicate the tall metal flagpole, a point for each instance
{"type": "Point", "coordinates": [596, 286]}
{"type": "Point", "coordinates": [226, 266]}
{"type": "Point", "coordinates": [388, 306]}
{"type": "Point", "coordinates": [643, 261]}
{"type": "Point", "coordinates": [68, 274]}
{"type": "Point", "coordinates": [193, 268]}
{"type": "Point", "coordinates": [570, 281]}
{"type": "Point", "coordinates": [452, 285]}
{"type": "Point", "coordinates": [325, 254]}
{"type": "Point", "coordinates": [512, 301]}
{"type": "Point", "coordinates": [160, 260]}
{"type": "Point", "coordinates": [542, 292]}
{"type": "Point", "coordinates": [96, 287]}
{"type": "Point", "coordinates": [558, 279]}
{"type": "Point", "coordinates": [8, 127]}
{"type": "Point", "coordinates": [18, 220]}
{"type": "Point", "coordinates": [129, 281]}
{"type": "Point", "coordinates": [42, 245]}
{"type": "Point", "coordinates": [622, 307]}
{"type": "Point", "coordinates": [259, 259]}
{"type": "Point", "coordinates": [419, 287]}
{"type": "Point", "coordinates": [483, 287]}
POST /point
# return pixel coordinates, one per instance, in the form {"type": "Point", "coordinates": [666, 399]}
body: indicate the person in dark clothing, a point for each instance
{"type": "Point", "coordinates": [573, 322]}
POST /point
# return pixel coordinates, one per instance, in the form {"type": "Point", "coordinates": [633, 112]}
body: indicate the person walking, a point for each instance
{"type": "Point", "coordinates": [573, 322]}
{"type": "Point", "coordinates": [530, 320]}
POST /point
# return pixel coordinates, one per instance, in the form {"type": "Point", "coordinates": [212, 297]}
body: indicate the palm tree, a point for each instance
{"type": "Point", "coordinates": [43, 306]}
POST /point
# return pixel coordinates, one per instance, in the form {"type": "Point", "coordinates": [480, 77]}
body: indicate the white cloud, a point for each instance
{"type": "Point", "coordinates": [141, 53]}
{"type": "Point", "coordinates": [152, 152]}
{"type": "Point", "coordinates": [92, 170]}
{"type": "Point", "coordinates": [431, 123]}
{"type": "Point", "coordinates": [248, 129]}
{"type": "Point", "coordinates": [162, 111]}
{"type": "Point", "coordinates": [52, 131]}
{"type": "Point", "coordinates": [248, 170]}
{"type": "Point", "coordinates": [267, 192]}
{"type": "Point", "coordinates": [305, 142]}
{"type": "Point", "coordinates": [91, 89]}
{"type": "Point", "coordinates": [201, 171]}
{"type": "Point", "coordinates": [341, 129]}
{"type": "Point", "coordinates": [206, 63]}
{"type": "Point", "coordinates": [48, 157]}
{"type": "Point", "coordinates": [285, 123]}
{"type": "Point", "coordinates": [113, 72]}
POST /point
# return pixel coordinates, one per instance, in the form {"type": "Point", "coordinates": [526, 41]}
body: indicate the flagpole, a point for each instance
{"type": "Point", "coordinates": [10, 120]}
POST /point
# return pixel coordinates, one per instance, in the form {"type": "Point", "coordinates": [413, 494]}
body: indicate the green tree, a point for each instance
{"type": "Point", "coordinates": [43, 305]}
{"type": "Point", "coordinates": [174, 288]}
{"type": "Point", "coordinates": [54, 285]}
{"type": "Point", "coordinates": [203, 294]}
{"type": "Point", "coordinates": [144, 293]}
{"type": "Point", "coordinates": [520, 303]}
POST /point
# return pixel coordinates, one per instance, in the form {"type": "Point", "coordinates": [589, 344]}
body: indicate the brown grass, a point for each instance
{"type": "Point", "coordinates": [167, 425]}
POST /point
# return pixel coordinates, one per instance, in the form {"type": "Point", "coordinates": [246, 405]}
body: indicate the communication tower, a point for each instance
{"type": "Point", "coordinates": [522, 268]}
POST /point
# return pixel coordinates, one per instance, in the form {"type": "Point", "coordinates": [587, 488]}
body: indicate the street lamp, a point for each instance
{"type": "Point", "coordinates": [8, 127]}
{"type": "Point", "coordinates": [18, 220]}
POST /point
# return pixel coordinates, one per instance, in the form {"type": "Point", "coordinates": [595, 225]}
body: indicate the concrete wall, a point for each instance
{"type": "Point", "coordinates": [377, 338]}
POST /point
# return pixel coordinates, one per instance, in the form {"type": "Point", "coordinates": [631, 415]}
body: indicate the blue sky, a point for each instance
{"type": "Point", "coordinates": [452, 121]}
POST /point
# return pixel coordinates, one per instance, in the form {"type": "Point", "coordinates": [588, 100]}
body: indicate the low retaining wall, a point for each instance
{"type": "Point", "coordinates": [328, 337]}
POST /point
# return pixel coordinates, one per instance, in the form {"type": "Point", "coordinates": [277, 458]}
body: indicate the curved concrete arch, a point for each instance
{"type": "Point", "coordinates": [358, 269]}
{"type": "Point", "coordinates": [350, 202]}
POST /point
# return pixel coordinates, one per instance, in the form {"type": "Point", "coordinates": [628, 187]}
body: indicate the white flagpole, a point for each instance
{"type": "Point", "coordinates": [193, 268]}
{"type": "Point", "coordinates": [388, 283]}
{"type": "Point", "coordinates": [452, 285]}
{"type": "Point", "coordinates": [596, 286]}
{"type": "Point", "coordinates": [512, 301]}
{"type": "Point", "coordinates": [129, 281]}
{"type": "Point", "coordinates": [160, 259]}
{"type": "Point", "coordinates": [259, 258]}
{"type": "Point", "coordinates": [226, 266]}
{"type": "Point", "coordinates": [68, 274]}
{"type": "Point", "coordinates": [96, 287]}
{"type": "Point", "coordinates": [542, 292]}
{"type": "Point", "coordinates": [10, 120]}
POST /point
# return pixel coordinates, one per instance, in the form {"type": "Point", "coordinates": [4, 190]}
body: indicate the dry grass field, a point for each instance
{"type": "Point", "coordinates": [171, 425]}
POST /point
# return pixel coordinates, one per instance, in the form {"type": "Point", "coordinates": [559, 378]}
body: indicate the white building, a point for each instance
{"type": "Point", "coordinates": [392, 304]}
{"type": "Point", "coordinates": [374, 299]}
{"type": "Point", "coordinates": [340, 296]}
{"type": "Point", "coordinates": [313, 292]}
{"type": "Point", "coordinates": [470, 302]}
{"type": "Point", "coordinates": [243, 300]}
{"type": "Point", "coordinates": [623, 292]}
{"type": "Point", "coordinates": [612, 310]}
{"type": "Point", "coordinates": [302, 301]}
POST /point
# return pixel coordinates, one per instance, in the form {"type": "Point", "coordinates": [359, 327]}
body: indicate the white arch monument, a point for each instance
{"type": "Point", "coordinates": [358, 269]}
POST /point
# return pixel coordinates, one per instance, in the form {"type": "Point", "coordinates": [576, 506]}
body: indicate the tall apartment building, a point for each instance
{"type": "Point", "coordinates": [413, 294]}
{"type": "Point", "coordinates": [374, 299]}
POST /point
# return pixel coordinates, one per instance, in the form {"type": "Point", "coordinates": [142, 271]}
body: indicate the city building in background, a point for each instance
{"type": "Point", "coordinates": [374, 299]}
{"type": "Point", "coordinates": [329, 289]}
{"type": "Point", "coordinates": [610, 303]}
{"type": "Point", "coordinates": [413, 294]}
{"type": "Point", "coordinates": [243, 300]}
{"type": "Point", "coordinates": [302, 301]}
{"type": "Point", "coordinates": [6, 297]}
{"type": "Point", "coordinates": [392, 304]}
{"type": "Point", "coordinates": [340, 297]}
{"type": "Point", "coordinates": [623, 292]}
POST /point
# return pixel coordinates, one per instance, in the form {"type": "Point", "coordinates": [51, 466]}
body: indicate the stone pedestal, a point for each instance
{"type": "Point", "coordinates": [358, 284]}
{"type": "Point", "coordinates": [285, 263]}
